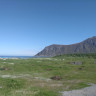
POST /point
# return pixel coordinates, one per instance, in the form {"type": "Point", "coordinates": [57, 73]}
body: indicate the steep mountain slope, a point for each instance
{"type": "Point", "coordinates": [87, 46]}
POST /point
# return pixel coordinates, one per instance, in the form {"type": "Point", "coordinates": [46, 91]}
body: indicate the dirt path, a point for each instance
{"type": "Point", "coordinates": [88, 91]}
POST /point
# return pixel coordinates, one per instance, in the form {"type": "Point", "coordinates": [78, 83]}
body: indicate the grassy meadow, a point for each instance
{"type": "Point", "coordinates": [46, 76]}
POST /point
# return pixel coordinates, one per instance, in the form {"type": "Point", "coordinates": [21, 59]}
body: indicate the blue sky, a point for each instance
{"type": "Point", "coordinates": [27, 26]}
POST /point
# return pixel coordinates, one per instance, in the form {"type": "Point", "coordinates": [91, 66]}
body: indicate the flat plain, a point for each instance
{"type": "Point", "coordinates": [46, 76]}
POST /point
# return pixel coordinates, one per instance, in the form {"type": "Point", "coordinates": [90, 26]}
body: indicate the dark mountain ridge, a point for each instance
{"type": "Point", "coordinates": [86, 46]}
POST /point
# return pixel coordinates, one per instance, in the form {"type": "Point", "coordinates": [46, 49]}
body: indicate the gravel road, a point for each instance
{"type": "Point", "coordinates": [88, 91]}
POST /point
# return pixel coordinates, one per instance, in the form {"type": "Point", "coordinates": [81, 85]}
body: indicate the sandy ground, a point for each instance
{"type": "Point", "coordinates": [88, 91]}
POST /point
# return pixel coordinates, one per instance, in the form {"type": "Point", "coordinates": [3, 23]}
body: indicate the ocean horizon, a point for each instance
{"type": "Point", "coordinates": [21, 57]}
{"type": "Point", "coordinates": [18, 57]}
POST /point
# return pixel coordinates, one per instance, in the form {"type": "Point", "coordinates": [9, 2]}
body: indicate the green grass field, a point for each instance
{"type": "Point", "coordinates": [32, 77]}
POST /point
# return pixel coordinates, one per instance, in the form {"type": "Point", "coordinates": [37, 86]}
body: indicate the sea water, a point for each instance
{"type": "Point", "coordinates": [16, 57]}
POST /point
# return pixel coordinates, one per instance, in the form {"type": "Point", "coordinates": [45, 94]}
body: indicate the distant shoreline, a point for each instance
{"type": "Point", "coordinates": [15, 57]}
{"type": "Point", "coordinates": [21, 57]}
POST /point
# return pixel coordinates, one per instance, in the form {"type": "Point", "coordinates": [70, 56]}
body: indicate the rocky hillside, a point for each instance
{"type": "Point", "coordinates": [87, 46]}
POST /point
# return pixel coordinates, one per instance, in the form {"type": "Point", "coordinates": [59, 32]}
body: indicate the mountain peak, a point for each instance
{"type": "Point", "coordinates": [92, 37]}
{"type": "Point", "coordinates": [86, 46]}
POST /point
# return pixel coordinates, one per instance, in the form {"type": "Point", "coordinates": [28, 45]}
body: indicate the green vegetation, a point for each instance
{"type": "Point", "coordinates": [31, 77]}
{"type": "Point", "coordinates": [89, 55]}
